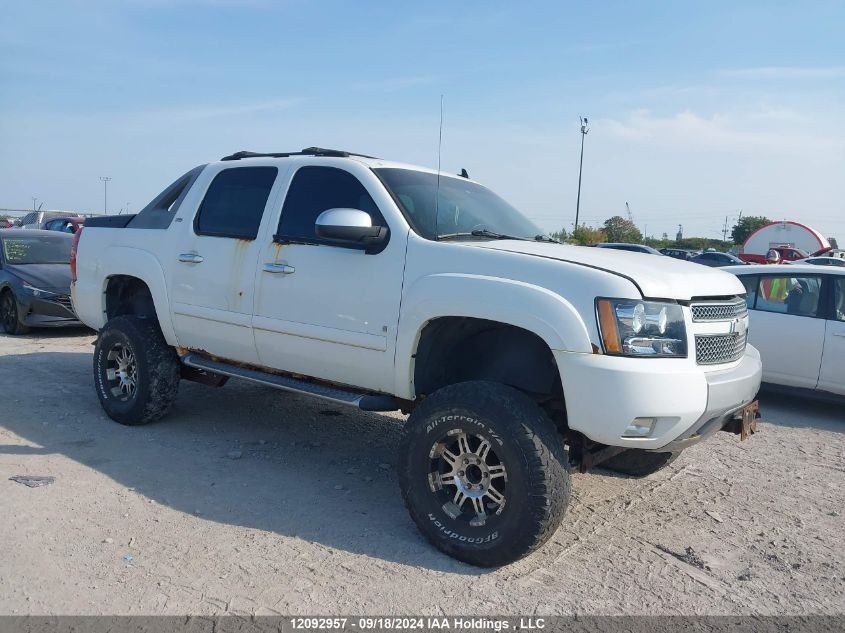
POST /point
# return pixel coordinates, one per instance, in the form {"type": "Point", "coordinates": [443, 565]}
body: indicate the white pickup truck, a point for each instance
{"type": "Point", "coordinates": [385, 286]}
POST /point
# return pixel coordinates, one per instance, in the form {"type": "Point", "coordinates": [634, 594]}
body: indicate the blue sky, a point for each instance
{"type": "Point", "coordinates": [698, 109]}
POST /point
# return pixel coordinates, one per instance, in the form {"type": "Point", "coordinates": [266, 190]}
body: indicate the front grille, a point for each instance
{"type": "Point", "coordinates": [719, 311]}
{"type": "Point", "coordinates": [711, 349]}
{"type": "Point", "coordinates": [64, 301]}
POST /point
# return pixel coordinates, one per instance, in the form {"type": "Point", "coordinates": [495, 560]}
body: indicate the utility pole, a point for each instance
{"type": "Point", "coordinates": [105, 180]}
{"type": "Point", "coordinates": [34, 200]}
{"type": "Point", "coordinates": [725, 230]}
{"type": "Point", "coordinates": [584, 129]}
{"type": "Point", "coordinates": [738, 220]}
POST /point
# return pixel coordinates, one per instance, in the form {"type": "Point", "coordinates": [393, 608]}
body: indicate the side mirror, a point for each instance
{"type": "Point", "coordinates": [352, 227]}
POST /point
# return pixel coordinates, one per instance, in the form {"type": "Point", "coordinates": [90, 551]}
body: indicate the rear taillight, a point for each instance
{"type": "Point", "coordinates": [73, 246]}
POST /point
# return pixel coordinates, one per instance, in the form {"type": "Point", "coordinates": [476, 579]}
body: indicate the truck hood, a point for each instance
{"type": "Point", "coordinates": [657, 276]}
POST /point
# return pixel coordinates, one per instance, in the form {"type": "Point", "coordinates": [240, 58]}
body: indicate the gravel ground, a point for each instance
{"type": "Point", "coordinates": [250, 501]}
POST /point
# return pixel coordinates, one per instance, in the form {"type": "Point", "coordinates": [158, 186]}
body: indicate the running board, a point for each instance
{"type": "Point", "coordinates": [365, 402]}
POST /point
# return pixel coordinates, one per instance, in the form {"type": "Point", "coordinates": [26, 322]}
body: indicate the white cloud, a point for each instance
{"type": "Point", "coordinates": [191, 112]}
{"type": "Point", "coordinates": [775, 130]}
{"type": "Point", "coordinates": [786, 72]}
{"type": "Point", "coordinates": [400, 83]}
{"type": "Point", "coordinates": [240, 4]}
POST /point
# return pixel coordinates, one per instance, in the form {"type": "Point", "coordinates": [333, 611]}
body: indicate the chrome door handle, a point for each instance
{"type": "Point", "coordinates": [191, 258]}
{"type": "Point", "coordinates": [279, 268]}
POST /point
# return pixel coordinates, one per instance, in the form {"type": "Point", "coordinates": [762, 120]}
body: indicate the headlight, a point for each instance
{"type": "Point", "coordinates": [35, 291]}
{"type": "Point", "coordinates": [642, 328]}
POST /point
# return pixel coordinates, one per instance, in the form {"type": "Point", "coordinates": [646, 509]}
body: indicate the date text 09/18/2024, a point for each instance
{"type": "Point", "coordinates": [405, 623]}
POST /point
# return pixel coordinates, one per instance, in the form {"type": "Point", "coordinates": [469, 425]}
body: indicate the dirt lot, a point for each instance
{"type": "Point", "coordinates": [251, 501]}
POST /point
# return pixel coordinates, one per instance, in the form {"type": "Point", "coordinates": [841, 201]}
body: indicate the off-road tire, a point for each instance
{"type": "Point", "coordinates": [636, 462]}
{"type": "Point", "coordinates": [525, 442]}
{"type": "Point", "coordinates": [10, 318]}
{"type": "Point", "coordinates": [157, 370]}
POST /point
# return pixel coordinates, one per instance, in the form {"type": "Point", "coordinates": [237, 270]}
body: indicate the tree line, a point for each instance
{"type": "Point", "coordinates": [619, 229]}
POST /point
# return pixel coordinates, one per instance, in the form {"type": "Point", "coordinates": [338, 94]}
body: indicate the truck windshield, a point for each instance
{"type": "Point", "coordinates": [37, 250]}
{"type": "Point", "coordinates": [464, 209]}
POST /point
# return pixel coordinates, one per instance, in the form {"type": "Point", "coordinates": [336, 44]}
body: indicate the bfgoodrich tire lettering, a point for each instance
{"type": "Point", "coordinates": [482, 472]}
{"type": "Point", "coordinates": [136, 374]}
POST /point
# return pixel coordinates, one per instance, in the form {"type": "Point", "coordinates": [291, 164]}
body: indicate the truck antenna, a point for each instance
{"type": "Point", "coordinates": [437, 190]}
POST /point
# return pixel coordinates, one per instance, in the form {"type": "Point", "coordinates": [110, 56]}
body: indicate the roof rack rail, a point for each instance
{"type": "Point", "coordinates": [308, 151]}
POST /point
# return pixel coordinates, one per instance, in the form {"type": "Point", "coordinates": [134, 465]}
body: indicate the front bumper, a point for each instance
{"type": "Point", "coordinates": [605, 394]}
{"type": "Point", "coordinates": [47, 310]}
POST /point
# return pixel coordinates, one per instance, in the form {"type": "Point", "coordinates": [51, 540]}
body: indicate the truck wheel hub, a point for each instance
{"type": "Point", "coordinates": [467, 477]}
{"type": "Point", "coordinates": [122, 372]}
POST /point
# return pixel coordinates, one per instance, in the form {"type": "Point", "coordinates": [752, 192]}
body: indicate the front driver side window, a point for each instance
{"type": "Point", "coordinates": [789, 295]}
{"type": "Point", "coordinates": [750, 283]}
{"type": "Point", "coordinates": [839, 299]}
{"type": "Point", "coordinates": [317, 189]}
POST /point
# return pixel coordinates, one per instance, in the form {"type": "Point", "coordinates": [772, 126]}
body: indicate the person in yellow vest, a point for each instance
{"type": "Point", "coordinates": [786, 290]}
{"type": "Point", "coordinates": [775, 288]}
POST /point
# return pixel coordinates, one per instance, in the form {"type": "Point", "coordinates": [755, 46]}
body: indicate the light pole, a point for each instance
{"type": "Point", "coordinates": [105, 180]}
{"type": "Point", "coordinates": [34, 200]}
{"type": "Point", "coordinates": [584, 129]}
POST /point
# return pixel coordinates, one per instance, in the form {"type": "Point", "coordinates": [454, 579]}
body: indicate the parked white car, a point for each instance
{"type": "Point", "coordinates": [385, 286]}
{"type": "Point", "coordinates": [798, 323]}
{"type": "Point", "coordinates": [827, 260]}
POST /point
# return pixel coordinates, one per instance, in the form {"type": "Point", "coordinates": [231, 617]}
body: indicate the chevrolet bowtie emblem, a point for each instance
{"type": "Point", "coordinates": [738, 326]}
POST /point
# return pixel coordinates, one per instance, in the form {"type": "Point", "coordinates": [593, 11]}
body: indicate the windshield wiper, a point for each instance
{"type": "Point", "coordinates": [482, 233]}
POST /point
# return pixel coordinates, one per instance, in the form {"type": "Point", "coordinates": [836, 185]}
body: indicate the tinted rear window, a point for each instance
{"type": "Point", "coordinates": [235, 201]}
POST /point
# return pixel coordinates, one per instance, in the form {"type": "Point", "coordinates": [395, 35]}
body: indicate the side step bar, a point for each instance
{"type": "Point", "coordinates": [365, 402]}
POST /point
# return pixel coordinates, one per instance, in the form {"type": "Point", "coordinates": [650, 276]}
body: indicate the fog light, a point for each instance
{"type": "Point", "coordinates": [640, 427]}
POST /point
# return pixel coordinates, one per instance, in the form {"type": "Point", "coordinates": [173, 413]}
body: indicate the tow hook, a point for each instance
{"type": "Point", "coordinates": [744, 421]}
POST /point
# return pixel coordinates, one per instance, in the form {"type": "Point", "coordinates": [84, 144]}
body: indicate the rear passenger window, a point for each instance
{"type": "Point", "coordinates": [316, 189]}
{"type": "Point", "coordinates": [789, 295]}
{"type": "Point", "coordinates": [235, 201]}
